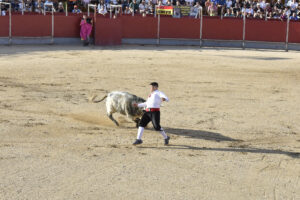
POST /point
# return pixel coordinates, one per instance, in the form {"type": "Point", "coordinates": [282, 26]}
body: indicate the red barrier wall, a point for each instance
{"type": "Point", "coordinates": [67, 26]}
{"type": "Point", "coordinates": [4, 23]}
{"type": "Point", "coordinates": [225, 29]}
{"type": "Point", "coordinates": [31, 25]}
{"type": "Point", "coordinates": [268, 31]}
{"type": "Point", "coordinates": [139, 27]}
{"type": "Point", "coordinates": [111, 31]}
{"type": "Point", "coordinates": [294, 32]}
{"type": "Point", "coordinates": [179, 28]}
{"type": "Point", "coordinates": [108, 31]}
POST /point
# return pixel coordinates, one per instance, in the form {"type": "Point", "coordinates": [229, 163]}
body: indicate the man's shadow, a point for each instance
{"type": "Point", "coordinates": [198, 134]}
{"type": "Point", "coordinates": [212, 136]}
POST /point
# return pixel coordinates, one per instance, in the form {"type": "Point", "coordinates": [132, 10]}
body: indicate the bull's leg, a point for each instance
{"type": "Point", "coordinates": [112, 119]}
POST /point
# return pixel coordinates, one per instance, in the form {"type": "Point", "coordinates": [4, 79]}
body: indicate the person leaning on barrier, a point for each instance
{"type": "Point", "coordinates": [60, 7]}
{"type": "Point", "coordinates": [134, 6]}
{"type": "Point", "coordinates": [142, 7]}
{"type": "Point", "coordinates": [76, 9]}
{"type": "Point", "coordinates": [149, 8]}
{"type": "Point", "coordinates": [294, 17]}
{"type": "Point", "coordinates": [102, 8]}
{"type": "Point", "coordinates": [127, 11]}
{"type": "Point", "coordinates": [3, 11]}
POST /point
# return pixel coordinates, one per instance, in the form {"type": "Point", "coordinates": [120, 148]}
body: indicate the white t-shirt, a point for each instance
{"type": "Point", "coordinates": [154, 100]}
{"type": "Point", "coordinates": [164, 2]}
{"type": "Point", "coordinates": [102, 9]}
{"type": "Point", "coordinates": [263, 4]}
{"type": "Point", "coordinates": [293, 5]}
{"type": "Point", "coordinates": [142, 7]}
{"type": "Point", "coordinates": [228, 4]}
{"type": "Point", "coordinates": [190, 1]}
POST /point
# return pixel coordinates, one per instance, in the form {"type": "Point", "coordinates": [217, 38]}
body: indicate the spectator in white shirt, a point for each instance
{"type": "Point", "coordinates": [263, 4]}
{"type": "Point", "coordinates": [102, 8]}
{"type": "Point", "coordinates": [228, 3]}
{"type": "Point", "coordinates": [142, 7]}
{"type": "Point", "coordinates": [293, 5]}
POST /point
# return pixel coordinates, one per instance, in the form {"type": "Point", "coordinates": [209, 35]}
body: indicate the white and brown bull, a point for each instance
{"type": "Point", "coordinates": [122, 102]}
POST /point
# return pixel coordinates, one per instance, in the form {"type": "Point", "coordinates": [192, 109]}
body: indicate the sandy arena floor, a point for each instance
{"type": "Point", "coordinates": [233, 119]}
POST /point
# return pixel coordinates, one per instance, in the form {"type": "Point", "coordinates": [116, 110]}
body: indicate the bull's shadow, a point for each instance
{"type": "Point", "coordinates": [198, 134]}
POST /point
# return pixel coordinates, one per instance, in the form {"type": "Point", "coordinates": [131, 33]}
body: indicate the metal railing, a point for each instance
{"type": "Point", "coordinates": [156, 14]}
{"type": "Point", "coordinates": [52, 19]}
{"type": "Point", "coordinates": [287, 33]}
{"type": "Point", "coordinates": [115, 7]}
{"type": "Point", "coordinates": [93, 6]}
{"type": "Point", "coordinates": [201, 24]}
{"type": "Point", "coordinates": [9, 28]}
{"type": "Point", "coordinates": [244, 29]}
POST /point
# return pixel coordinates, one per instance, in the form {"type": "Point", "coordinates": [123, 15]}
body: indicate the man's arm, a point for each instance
{"type": "Point", "coordinates": [163, 97]}
{"type": "Point", "coordinates": [140, 105]}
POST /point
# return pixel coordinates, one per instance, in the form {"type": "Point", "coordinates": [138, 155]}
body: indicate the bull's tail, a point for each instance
{"type": "Point", "coordinates": [92, 99]}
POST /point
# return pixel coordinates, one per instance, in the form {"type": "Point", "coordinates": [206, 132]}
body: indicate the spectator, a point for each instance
{"type": "Point", "coordinates": [164, 2]}
{"type": "Point", "coordinates": [189, 2]}
{"type": "Point", "coordinates": [71, 4]}
{"type": "Point", "coordinates": [38, 6]}
{"type": "Point", "coordinates": [207, 4]}
{"type": "Point", "coordinates": [3, 10]}
{"type": "Point", "coordinates": [258, 11]}
{"type": "Point", "coordinates": [125, 4]}
{"type": "Point", "coordinates": [197, 5]}
{"type": "Point", "coordinates": [270, 15]}
{"type": "Point", "coordinates": [262, 4]}
{"type": "Point", "coordinates": [76, 9]}
{"type": "Point", "coordinates": [229, 13]}
{"type": "Point", "coordinates": [127, 11]}
{"type": "Point", "coordinates": [212, 9]}
{"type": "Point", "coordinates": [268, 8]}
{"type": "Point", "coordinates": [293, 5]}
{"type": "Point", "coordinates": [142, 7]}
{"type": "Point", "coordinates": [102, 8]}
{"type": "Point", "coordinates": [237, 7]}
{"type": "Point", "coordinates": [149, 8]}
{"type": "Point", "coordinates": [134, 6]}
{"type": "Point", "coordinates": [228, 4]}
{"type": "Point", "coordinates": [278, 5]}
{"type": "Point", "coordinates": [294, 17]}
{"type": "Point", "coordinates": [283, 15]}
{"type": "Point", "coordinates": [276, 15]}
{"type": "Point", "coordinates": [60, 8]}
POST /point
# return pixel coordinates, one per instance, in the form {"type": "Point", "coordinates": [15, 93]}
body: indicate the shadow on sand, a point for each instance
{"type": "Point", "coordinates": [206, 135]}
{"type": "Point", "coordinates": [240, 150]}
{"type": "Point", "coordinates": [198, 134]}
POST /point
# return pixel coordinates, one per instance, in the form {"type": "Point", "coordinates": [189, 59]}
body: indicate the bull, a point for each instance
{"type": "Point", "coordinates": [122, 102]}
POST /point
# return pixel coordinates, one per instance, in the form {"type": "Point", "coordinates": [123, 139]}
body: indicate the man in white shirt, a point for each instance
{"type": "Point", "coordinates": [152, 113]}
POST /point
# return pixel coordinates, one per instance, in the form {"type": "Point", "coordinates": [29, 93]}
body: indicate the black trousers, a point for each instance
{"type": "Point", "coordinates": [154, 117]}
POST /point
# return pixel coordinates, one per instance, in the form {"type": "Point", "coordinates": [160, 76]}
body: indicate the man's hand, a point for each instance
{"type": "Point", "coordinates": [163, 99]}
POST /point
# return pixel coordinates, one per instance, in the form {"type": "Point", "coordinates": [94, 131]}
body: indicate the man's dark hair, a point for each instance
{"type": "Point", "coordinates": [155, 84]}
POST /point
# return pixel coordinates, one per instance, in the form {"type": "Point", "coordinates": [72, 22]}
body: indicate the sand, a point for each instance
{"type": "Point", "coordinates": [233, 119]}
